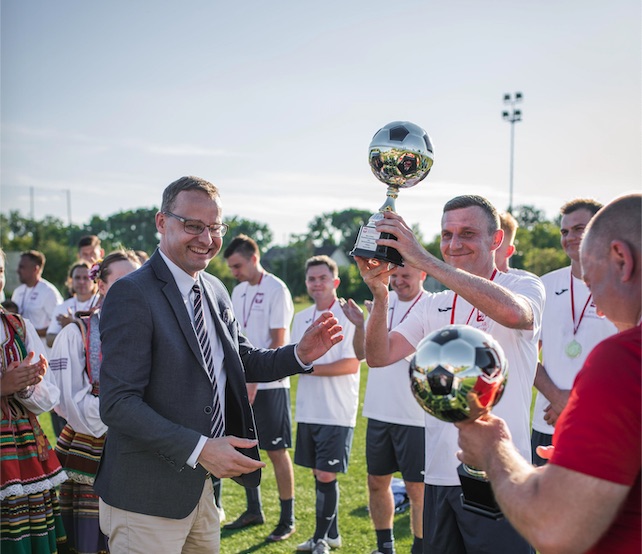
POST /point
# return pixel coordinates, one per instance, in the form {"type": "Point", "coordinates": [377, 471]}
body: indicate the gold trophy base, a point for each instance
{"type": "Point", "coordinates": [477, 494]}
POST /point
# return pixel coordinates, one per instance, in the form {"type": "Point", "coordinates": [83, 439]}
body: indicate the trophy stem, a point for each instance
{"type": "Point", "coordinates": [366, 245]}
{"type": "Point", "coordinates": [391, 196]}
{"type": "Point", "coordinates": [474, 471]}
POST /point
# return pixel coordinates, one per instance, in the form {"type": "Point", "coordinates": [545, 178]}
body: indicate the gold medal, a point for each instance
{"type": "Point", "coordinates": [573, 349]}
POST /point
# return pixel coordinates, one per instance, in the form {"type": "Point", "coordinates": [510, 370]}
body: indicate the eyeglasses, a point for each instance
{"type": "Point", "coordinates": [196, 226]}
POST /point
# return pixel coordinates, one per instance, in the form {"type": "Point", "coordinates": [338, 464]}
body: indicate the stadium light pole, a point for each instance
{"type": "Point", "coordinates": [512, 116]}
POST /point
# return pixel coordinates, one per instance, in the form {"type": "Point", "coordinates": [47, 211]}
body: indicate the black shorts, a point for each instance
{"type": "Point", "coordinates": [449, 529]}
{"type": "Point", "coordinates": [539, 439]}
{"type": "Point", "coordinates": [391, 447]}
{"type": "Point", "coordinates": [272, 415]}
{"type": "Point", "coordinates": [323, 447]}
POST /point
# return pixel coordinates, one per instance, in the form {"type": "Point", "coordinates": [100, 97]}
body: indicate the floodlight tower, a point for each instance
{"type": "Point", "coordinates": [512, 116]}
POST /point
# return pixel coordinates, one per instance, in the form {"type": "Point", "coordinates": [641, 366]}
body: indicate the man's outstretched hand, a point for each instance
{"type": "Point", "coordinates": [322, 335]}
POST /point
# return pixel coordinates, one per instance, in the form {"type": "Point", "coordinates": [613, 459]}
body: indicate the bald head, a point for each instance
{"type": "Point", "coordinates": [618, 220]}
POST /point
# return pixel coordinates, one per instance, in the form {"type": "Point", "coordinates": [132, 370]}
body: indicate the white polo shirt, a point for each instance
{"type": "Point", "coordinates": [260, 308]}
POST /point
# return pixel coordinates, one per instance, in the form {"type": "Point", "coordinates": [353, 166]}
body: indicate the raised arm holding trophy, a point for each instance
{"type": "Point", "coordinates": [506, 306]}
{"type": "Point", "coordinates": [400, 156]}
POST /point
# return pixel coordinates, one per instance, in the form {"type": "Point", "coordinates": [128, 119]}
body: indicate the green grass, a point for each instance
{"type": "Point", "coordinates": [354, 522]}
{"type": "Point", "coordinates": [45, 423]}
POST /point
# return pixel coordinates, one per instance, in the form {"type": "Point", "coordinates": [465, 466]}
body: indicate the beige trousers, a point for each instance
{"type": "Point", "coordinates": [132, 533]}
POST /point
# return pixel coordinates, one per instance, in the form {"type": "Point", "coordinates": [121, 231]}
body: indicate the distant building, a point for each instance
{"type": "Point", "coordinates": [338, 255]}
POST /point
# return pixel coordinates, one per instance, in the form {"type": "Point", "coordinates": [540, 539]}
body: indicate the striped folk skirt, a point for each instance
{"type": "Point", "coordinates": [80, 455]}
{"type": "Point", "coordinates": [30, 520]}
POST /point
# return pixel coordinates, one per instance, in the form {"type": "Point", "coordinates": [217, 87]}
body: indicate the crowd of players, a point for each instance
{"type": "Point", "coordinates": [573, 496]}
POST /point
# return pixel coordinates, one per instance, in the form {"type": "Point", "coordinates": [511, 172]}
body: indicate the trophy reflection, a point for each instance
{"type": "Point", "coordinates": [400, 156]}
{"type": "Point", "coordinates": [450, 363]}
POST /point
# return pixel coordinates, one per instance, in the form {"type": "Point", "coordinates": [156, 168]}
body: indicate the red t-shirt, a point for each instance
{"type": "Point", "coordinates": [600, 431]}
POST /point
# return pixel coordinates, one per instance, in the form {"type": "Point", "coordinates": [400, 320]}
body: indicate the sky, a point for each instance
{"type": "Point", "coordinates": [103, 104]}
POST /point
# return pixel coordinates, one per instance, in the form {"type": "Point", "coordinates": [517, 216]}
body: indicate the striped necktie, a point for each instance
{"type": "Point", "coordinates": [217, 427]}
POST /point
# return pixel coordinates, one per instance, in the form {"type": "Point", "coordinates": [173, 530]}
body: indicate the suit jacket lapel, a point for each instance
{"type": "Point", "coordinates": [185, 323]}
{"type": "Point", "coordinates": [175, 300]}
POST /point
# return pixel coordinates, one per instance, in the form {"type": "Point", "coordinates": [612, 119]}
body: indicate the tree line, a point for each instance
{"type": "Point", "coordinates": [537, 241]}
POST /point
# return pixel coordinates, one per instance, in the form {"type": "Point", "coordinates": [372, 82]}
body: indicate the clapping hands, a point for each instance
{"type": "Point", "coordinates": [22, 374]}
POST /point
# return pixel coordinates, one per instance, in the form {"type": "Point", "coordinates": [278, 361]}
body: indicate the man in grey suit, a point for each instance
{"type": "Point", "coordinates": [173, 385]}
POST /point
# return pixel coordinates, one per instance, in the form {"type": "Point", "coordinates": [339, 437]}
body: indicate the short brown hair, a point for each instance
{"type": "Point", "coordinates": [243, 245]}
{"type": "Point", "coordinates": [38, 258]}
{"type": "Point", "coordinates": [186, 183]}
{"type": "Point", "coordinates": [469, 200]}
{"type": "Point", "coordinates": [589, 204]}
{"type": "Point", "coordinates": [89, 240]}
{"type": "Point", "coordinates": [323, 260]}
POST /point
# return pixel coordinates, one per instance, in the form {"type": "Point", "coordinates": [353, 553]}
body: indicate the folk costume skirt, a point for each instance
{"type": "Point", "coordinates": [80, 455]}
{"type": "Point", "coordinates": [30, 519]}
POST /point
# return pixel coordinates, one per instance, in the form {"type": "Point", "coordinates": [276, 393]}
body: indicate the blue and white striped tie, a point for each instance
{"type": "Point", "coordinates": [217, 427]}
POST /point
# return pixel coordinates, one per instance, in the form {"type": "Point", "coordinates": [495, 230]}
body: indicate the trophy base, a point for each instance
{"type": "Point", "coordinates": [477, 496]}
{"type": "Point", "coordinates": [366, 247]}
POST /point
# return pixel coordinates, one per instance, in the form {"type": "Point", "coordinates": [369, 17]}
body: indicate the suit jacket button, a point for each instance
{"type": "Point", "coordinates": [207, 409]}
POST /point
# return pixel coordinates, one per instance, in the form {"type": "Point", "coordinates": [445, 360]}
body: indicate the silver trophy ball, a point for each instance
{"type": "Point", "coordinates": [453, 361]}
{"type": "Point", "coordinates": [401, 154]}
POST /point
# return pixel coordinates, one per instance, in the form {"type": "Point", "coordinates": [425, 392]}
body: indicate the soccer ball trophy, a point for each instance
{"type": "Point", "coordinates": [400, 156]}
{"type": "Point", "coordinates": [450, 363]}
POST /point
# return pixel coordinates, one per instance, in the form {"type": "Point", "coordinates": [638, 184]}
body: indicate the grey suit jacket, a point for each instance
{"type": "Point", "coordinates": [155, 395]}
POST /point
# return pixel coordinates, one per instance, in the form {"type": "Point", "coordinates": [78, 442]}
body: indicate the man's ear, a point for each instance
{"type": "Point", "coordinates": [622, 255]}
{"type": "Point", "coordinates": [511, 250]}
{"type": "Point", "coordinates": [336, 282]}
{"type": "Point", "coordinates": [160, 222]}
{"type": "Point", "coordinates": [498, 237]}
